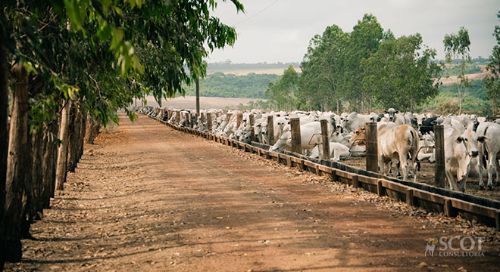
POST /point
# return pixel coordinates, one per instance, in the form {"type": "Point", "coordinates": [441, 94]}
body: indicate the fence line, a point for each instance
{"type": "Point", "coordinates": [375, 183]}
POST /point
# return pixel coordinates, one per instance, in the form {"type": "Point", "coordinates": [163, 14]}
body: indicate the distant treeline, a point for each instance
{"type": "Point", "coordinates": [229, 85]}
{"type": "Point", "coordinates": [228, 67]}
{"type": "Point", "coordinates": [255, 86]}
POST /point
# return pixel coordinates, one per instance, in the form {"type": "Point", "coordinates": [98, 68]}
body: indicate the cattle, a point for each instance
{"type": "Point", "coordinates": [338, 151]}
{"type": "Point", "coordinates": [426, 151]}
{"type": "Point", "coordinates": [459, 150]}
{"type": "Point", "coordinates": [426, 124]}
{"type": "Point", "coordinates": [355, 120]}
{"type": "Point", "coordinates": [399, 118]}
{"type": "Point", "coordinates": [310, 134]}
{"type": "Point", "coordinates": [488, 136]}
{"type": "Point", "coordinates": [395, 144]}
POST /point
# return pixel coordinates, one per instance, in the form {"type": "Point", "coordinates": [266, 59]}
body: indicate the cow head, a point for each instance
{"type": "Point", "coordinates": [392, 114]}
{"type": "Point", "coordinates": [246, 137]}
{"type": "Point", "coordinates": [282, 142]}
{"type": "Point", "coordinates": [359, 137]}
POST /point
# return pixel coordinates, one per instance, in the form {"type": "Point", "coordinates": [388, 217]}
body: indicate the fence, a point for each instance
{"type": "Point", "coordinates": [431, 198]}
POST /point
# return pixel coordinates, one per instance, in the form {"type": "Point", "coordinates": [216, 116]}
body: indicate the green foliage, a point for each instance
{"type": "Point", "coordinates": [229, 85]}
{"type": "Point", "coordinates": [492, 82]}
{"type": "Point", "coordinates": [106, 53]}
{"type": "Point", "coordinates": [455, 70]}
{"type": "Point", "coordinates": [458, 45]}
{"type": "Point", "coordinates": [446, 102]}
{"type": "Point", "coordinates": [233, 68]}
{"type": "Point", "coordinates": [407, 76]}
{"type": "Point", "coordinates": [476, 89]}
{"type": "Point", "coordinates": [283, 93]}
{"type": "Point", "coordinates": [323, 78]}
{"type": "Point", "coordinates": [360, 70]}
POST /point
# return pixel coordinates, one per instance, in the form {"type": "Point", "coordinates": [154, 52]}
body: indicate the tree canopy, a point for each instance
{"type": "Point", "coordinates": [364, 69]}
{"type": "Point", "coordinates": [458, 45]}
{"type": "Point", "coordinates": [107, 52]}
{"type": "Point", "coordinates": [492, 82]}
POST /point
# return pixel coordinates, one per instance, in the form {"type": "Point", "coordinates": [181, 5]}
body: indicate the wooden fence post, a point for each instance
{"type": "Point", "coordinates": [325, 140]}
{"type": "Point", "coordinates": [295, 130]}
{"type": "Point", "coordinates": [270, 130]}
{"type": "Point", "coordinates": [439, 149]}
{"type": "Point", "coordinates": [371, 147]}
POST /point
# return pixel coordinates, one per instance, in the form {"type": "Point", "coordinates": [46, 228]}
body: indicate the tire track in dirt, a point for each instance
{"type": "Point", "coordinates": [147, 197]}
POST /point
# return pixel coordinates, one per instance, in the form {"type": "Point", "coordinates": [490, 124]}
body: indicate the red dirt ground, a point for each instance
{"type": "Point", "coordinates": [150, 198]}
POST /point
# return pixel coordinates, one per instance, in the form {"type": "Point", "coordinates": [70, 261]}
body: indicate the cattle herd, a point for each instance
{"type": "Point", "coordinates": [471, 143]}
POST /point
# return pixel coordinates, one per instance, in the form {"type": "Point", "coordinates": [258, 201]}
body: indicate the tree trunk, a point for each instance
{"type": "Point", "coordinates": [73, 134]}
{"type": "Point", "coordinates": [91, 130]}
{"type": "Point", "coordinates": [17, 164]}
{"type": "Point", "coordinates": [62, 153]}
{"type": "Point", "coordinates": [83, 127]}
{"type": "Point", "coordinates": [37, 148]}
{"type": "Point", "coordinates": [51, 154]}
{"type": "Point", "coordinates": [46, 162]}
{"type": "Point", "coordinates": [4, 128]}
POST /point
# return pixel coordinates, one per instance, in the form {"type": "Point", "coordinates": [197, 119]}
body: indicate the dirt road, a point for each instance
{"type": "Point", "coordinates": [149, 198]}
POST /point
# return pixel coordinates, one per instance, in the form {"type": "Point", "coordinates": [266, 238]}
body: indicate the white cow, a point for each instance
{"type": "Point", "coordinates": [488, 135]}
{"type": "Point", "coordinates": [310, 135]}
{"type": "Point", "coordinates": [338, 151]}
{"type": "Point", "coordinates": [355, 120]}
{"type": "Point", "coordinates": [459, 150]}
{"type": "Point", "coordinates": [395, 144]}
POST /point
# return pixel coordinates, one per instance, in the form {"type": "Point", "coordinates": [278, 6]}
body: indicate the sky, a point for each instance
{"type": "Point", "coordinates": [279, 30]}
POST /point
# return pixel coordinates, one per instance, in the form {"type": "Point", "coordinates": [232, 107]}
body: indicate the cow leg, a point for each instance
{"type": "Point", "coordinates": [480, 165]}
{"type": "Point", "coordinates": [497, 168]}
{"type": "Point", "coordinates": [452, 182]}
{"type": "Point", "coordinates": [491, 169]}
{"type": "Point", "coordinates": [449, 177]}
{"type": "Point", "coordinates": [463, 184]}
{"type": "Point", "coordinates": [480, 172]}
{"type": "Point", "coordinates": [403, 164]}
{"type": "Point", "coordinates": [381, 165]}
